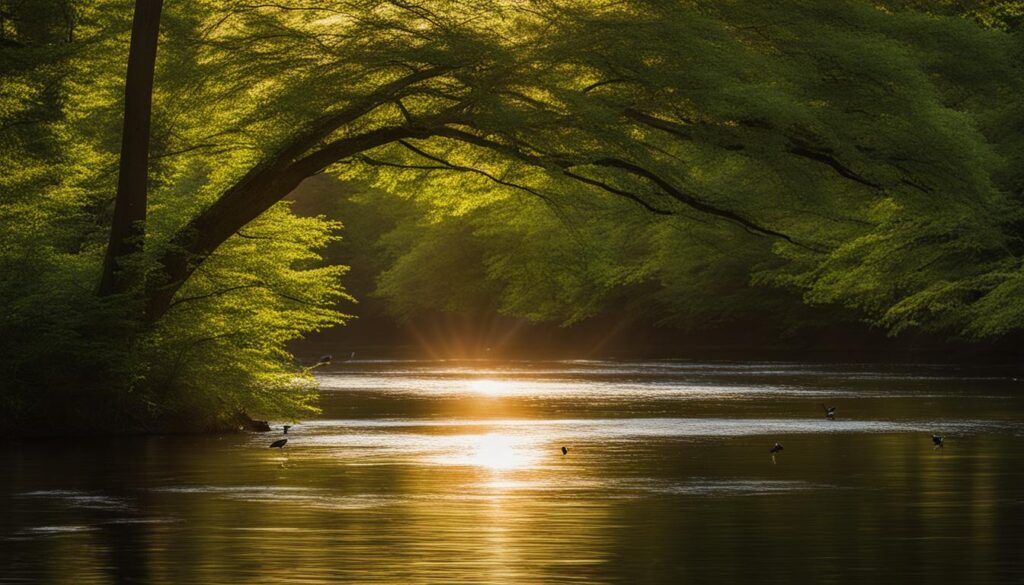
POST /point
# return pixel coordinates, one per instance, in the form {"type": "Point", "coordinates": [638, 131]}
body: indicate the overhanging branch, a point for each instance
{"type": "Point", "coordinates": [695, 203]}
{"type": "Point", "coordinates": [795, 147]}
{"type": "Point", "coordinates": [566, 167]}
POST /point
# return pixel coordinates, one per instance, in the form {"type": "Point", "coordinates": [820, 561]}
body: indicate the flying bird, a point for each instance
{"type": "Point", "coordinates": [776, 448]}
{"type": "Point", "coordinates": [937, 440]}
{"type": "Point", "coordinates": [830, 412]}
{"type": "Point", "coordinates": [278, 444]}
{"type": "Point", "coordinates": [565, 450]}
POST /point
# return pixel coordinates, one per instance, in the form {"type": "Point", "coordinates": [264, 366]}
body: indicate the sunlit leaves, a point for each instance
{"type": "Point", "coordinates": [570, 157]}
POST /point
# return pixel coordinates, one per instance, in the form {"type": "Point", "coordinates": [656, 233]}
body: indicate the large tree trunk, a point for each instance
{"type": "Point", "coordinates": [127, 232]}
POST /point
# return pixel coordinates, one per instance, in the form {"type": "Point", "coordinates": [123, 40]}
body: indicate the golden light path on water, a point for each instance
{"type": "Point", "coordinates": [425, 472]}
{"type": "Point", "coordinates": [496, 450]}
{"type": "Point", "coordinates": [495, 388]}
{"type": "Point", "coordinates": [485, 429]}
{"type": "Point", "coordinates": [499, 452]}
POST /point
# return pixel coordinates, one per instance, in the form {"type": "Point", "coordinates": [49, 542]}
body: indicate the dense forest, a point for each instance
{"type": "Point", "coordinates": [693, 164]}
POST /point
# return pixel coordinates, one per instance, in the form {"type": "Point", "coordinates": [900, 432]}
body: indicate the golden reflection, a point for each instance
{"type": "Point", "coordinates": [488, 387]}
{"type": "Point", "coordinates": [497, 451]}
{"type": "Point", "coordinates": [493, 451]}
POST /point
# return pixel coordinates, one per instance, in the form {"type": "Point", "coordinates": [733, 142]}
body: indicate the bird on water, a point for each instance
{"type": "Point", "coordinates": [937, 441]}
{"type": "Point", "coordinates": [278, 444]}
{"type": "Point", "coordinates": [565, 450]}
{"type": "Point", "coordinates": [776, 448]}
{"type": "Point", "coordinates": [326, 359]}
{"type": "Point", "coordinates": [830, 412]}
{"type": "Point", "coordinates": [286, 427]}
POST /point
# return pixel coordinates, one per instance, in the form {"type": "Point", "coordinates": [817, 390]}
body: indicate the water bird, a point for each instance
{"type": "Point", "coordinates": [286, 427]}
{"type": "Point", "coordinates": [325, 359]}
{"type": "Point", "coordinates": [830, 412]}
{"type": "Point", "coordinates": [278, 444]}
{"type": "Point", "coordinates": [937, 440]}
{"type": "Point", "coordinates": [565, 450]}
{"type": "Point", "coordinates": [776, 448]}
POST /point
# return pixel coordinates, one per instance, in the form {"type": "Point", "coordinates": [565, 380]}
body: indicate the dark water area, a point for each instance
{"type": "Point", "coordinates": [452, 472]}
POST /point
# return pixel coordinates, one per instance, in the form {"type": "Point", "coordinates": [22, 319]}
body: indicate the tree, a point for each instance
{"type": "Point", "coordinates": [127, 230]}
{"type": "Point", "coordinates": [865, 147]}
{"type": "Point", "coordinates": [484, 99]}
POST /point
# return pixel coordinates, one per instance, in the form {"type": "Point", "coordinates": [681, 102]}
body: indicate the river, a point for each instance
{"type": "Point", "coordinates": [453, 472]}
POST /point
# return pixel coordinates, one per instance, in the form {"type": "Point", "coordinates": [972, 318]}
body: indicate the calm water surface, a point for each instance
{"type": "Point", "coordinates": [445, 472]}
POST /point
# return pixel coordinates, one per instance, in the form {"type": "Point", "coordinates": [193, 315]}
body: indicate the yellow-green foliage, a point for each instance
{"type": "Point", "coordinates": [74, 362]}
{"type": "Point", "coordinates": [222, 344]}
{"type": "Point", "coordinates": [561, 157]}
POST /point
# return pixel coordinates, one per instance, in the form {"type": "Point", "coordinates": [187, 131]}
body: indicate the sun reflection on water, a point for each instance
{"type": "Point", "coordinates": [488, 387]}
{"type": "Point", "coordinates": [493, 451]}
{"type": "Point", "coordinates": [498, 451]}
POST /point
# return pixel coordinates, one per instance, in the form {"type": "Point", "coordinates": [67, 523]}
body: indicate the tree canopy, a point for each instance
{"type": "Point", "coordinates": [555, 155]}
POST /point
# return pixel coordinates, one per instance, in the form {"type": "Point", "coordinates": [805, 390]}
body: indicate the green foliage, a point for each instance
{"type": "Point", "coordinates": [522, 257]}
{"type": "Point", "coordinates": [690, 163]}
{"type": "Point", "coordinates": [884, 142]}
{"type": "Point", "coordinates": [221, 348]}
{"type": "Point", "coordinates": [75, 362]}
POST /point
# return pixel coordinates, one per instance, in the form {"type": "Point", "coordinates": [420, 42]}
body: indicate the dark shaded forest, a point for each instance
{"type": "Point", "coordinates": [404, 310]}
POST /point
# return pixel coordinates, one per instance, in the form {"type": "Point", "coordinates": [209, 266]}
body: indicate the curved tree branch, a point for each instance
{"type": "Point", "coordinates": [695, 203]}
{"type": "Point", "coordinates": [795, 147]}
{"type": "Point", "coordinates": [566, 167]}
{"type": "Point", "coordinates": [245, 201]}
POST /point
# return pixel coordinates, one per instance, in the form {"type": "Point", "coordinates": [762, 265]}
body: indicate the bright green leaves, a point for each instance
{"type": "Point", "coordinates": [225, 334]}
{"type": "Point", "coordinates": [560, 159]}
{"type": "Point", "coordinates": [877, 138]}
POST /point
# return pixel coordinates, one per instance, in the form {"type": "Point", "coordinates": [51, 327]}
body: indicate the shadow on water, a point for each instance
{"type": "Point", "coordinates": [428, 473]}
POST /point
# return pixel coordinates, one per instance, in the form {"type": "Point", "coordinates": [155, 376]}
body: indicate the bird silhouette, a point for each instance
{"type": "Point", "coordinates": [937, 440]}
{"type": "Point", "coordinates": [776, 448]}
{"type": "Point", "coordinates": [565, 450]}
{"type": "Point", "coordinates": [278, 444]}
{"type": "Point", "coordinates": [830, 412]}
{"type": "Point", "coordinates": [286, 427]}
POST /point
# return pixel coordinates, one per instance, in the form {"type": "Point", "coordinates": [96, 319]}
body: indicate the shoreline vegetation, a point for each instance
{"type": "Point", "coordinates": [188, 186]}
